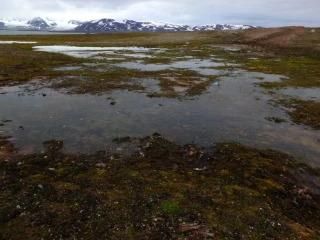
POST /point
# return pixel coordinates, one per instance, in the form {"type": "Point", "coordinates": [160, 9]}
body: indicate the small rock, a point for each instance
{"type": "Point", "coordinates": [275, 119]}
{"type": "Point", "coordinates": [141, 154]}
{"type": "Point", "coordinates": [200, 169]}
{"type": "Point", "coordinates": [102, 165]}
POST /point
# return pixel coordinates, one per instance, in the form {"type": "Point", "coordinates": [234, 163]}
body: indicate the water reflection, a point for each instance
{"type": "Point", "coordinates": [99, 52]}
{"type": "Point", "coordinates": [303, 93]}
{"type": "Point", "coordinates": [204, 67]}
{"type": "Point", "coordinates": [233, 111]}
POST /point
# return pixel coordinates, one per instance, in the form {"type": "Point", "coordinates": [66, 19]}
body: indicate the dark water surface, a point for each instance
{"type": "Point", "coordinates": [234, 111]}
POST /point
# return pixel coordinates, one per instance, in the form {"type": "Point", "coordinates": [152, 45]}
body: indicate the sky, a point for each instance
{"type": "Point", "coordinates": [266, 13]}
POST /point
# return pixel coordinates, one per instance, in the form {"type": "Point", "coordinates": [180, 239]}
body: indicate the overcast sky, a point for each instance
{"type": "Point", "coordinates": [267, 13]}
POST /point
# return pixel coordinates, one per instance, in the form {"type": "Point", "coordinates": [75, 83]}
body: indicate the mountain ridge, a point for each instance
{"type": "Point", "coordinates": [110, 25]}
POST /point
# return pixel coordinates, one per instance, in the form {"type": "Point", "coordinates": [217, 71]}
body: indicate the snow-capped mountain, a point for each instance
{"type": "Point", "coordinates": [222, 27]}
{"type": "Point", "coordinates": [39, 23]}
{"type": "Point", "coordinates": [108, 25]}
{"type": "Point", "coordinates": [12, 23]}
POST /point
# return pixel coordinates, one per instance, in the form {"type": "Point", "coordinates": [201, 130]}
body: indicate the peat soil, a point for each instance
{"type": "Point", "coordinates": [161, 191]}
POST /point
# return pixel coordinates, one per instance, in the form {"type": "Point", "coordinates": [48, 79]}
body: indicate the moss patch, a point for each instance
{"type": "Point", "coordinates": [304, 112]}
{"type": "Point", "coordinates": [230, 191]}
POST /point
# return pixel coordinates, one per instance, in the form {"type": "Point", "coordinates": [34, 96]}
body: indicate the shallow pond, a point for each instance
{"type": "Point", "coordinates": [233, 111]}
{"type": "Point", "coordinates": [98, 52]}
{"type": "Point", "coordinates": [204, 67]}
{"type": "Point", "coordinates": [233, 108]}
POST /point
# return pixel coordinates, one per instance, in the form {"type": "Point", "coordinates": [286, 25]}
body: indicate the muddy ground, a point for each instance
{"type": "Point", "coordinates": [162, 189]}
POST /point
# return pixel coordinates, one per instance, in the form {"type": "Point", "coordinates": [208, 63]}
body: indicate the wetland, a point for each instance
{"type": "Point", "coordinates": [202, 135]}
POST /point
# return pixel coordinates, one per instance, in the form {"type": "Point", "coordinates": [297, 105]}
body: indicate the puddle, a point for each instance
{"type": "Point", "coordinates": [102, 55]}
{"type": "Point", "coordinates": [140, 65]}
{"type": "Point", "coordinates": [17, 42]}
{"type": "Point", "coordinates": [180, 89]}
{"type": "Point", "coordinates": [151, 85]}
{"type": "Point", "coordinates": [68, 68]}
{"type": "Point", "coordinates": [196, 64]}
{"type": "Point", "coordinates": [256, 77]}
{"type": "Point", "coordinates": [228, 48]}
{"type": "Point", "coordinates": [99, 52]}
{"type": "Point", "coordinates": [120, 53]}
{"type": "Point", "coordinates": [63, 49]}
{"type": "Point", "coordinates": [229, 112]}
{"type": "Point", "coordinates": [302, 93]}
{"type": "Point", "coordinates": [102, 67]}
{"type": "Point", "coordinates": [204, 67]}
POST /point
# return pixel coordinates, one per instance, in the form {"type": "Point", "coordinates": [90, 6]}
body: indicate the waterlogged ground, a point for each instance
{"type": "Point", "coordinates": [74, 121]}
{"type": "Point", "coordinates": [204, 100]}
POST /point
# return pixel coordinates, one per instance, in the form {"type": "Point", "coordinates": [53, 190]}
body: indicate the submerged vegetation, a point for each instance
{"type": "Point", "coordinates": [161, 189]}
{"type": "Point", "coordinates": [305, 112]}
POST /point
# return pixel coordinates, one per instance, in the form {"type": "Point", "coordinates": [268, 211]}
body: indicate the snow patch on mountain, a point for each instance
{"type": "Point", "coordinates": [222, 27]}
{"type": "Point", "coordinates": [13, 23]}
{"type": "Point", "coordinates": [39, 23]}
{"type": "Point", "coordinates": [109, 25]}
{"type": "Point", "coordinates": [66, 25]}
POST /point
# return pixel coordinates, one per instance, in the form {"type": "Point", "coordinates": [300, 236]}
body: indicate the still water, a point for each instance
{"type": "Point", "coordinates": [234, 111]}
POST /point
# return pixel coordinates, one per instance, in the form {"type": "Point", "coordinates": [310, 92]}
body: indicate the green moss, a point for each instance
{"type": "Point", "coordinates": [158, 59]}
{"type": "Point", "coordinates": [300, 72]}
{"type": "Point", "coordinates": [242, 192]}
{"type": "Point", "coordinates": [170, 208]}
{"type": "Point", "coordinates": [65, 186]}
{"type": "Point", "coordinates": [305, 112]}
